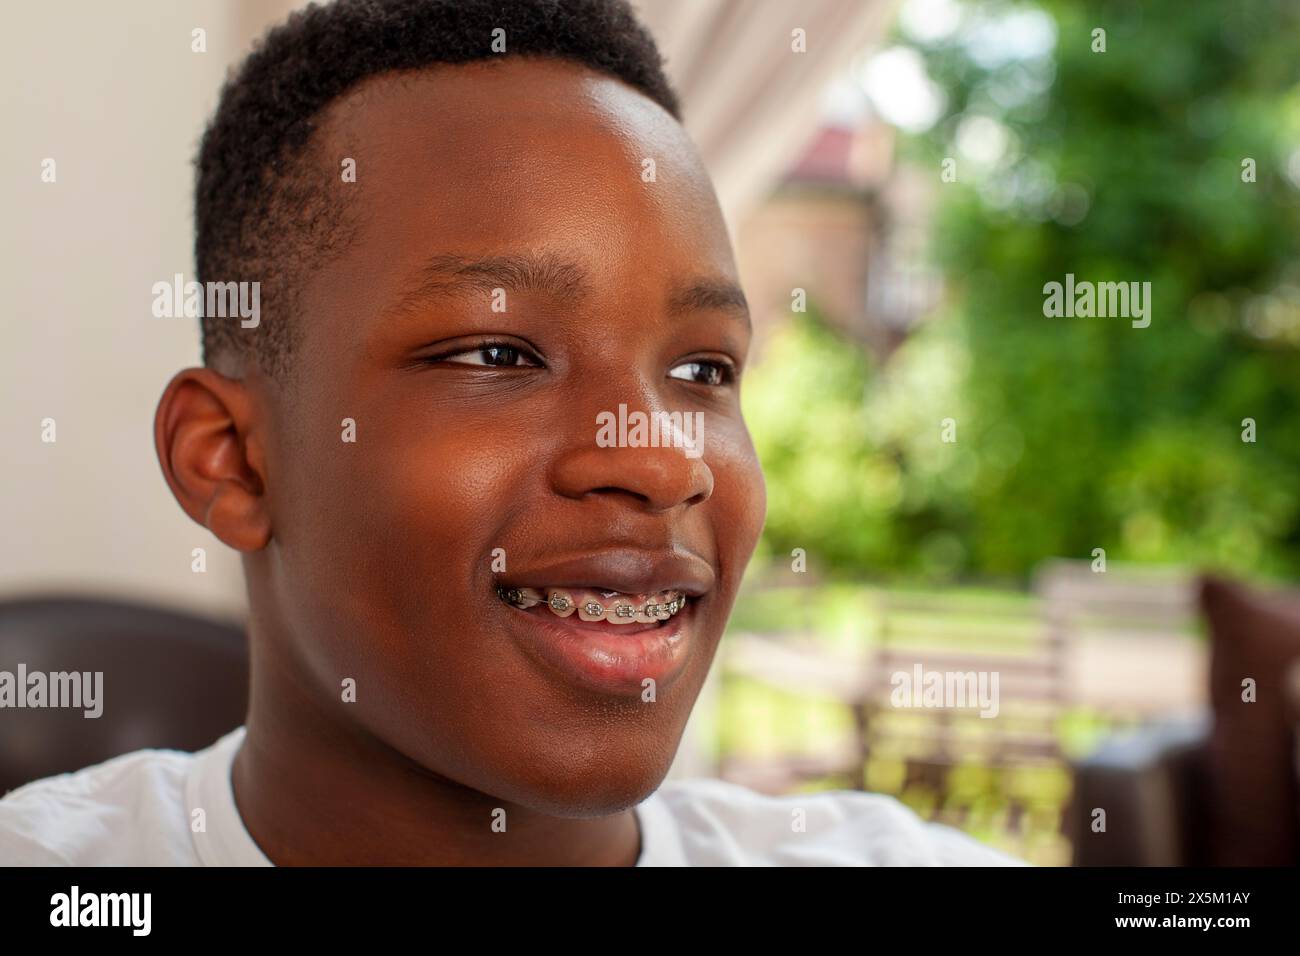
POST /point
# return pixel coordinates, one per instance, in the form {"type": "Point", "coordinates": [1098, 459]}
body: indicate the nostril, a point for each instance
{"type": "Point", "coordinates": [655, 482]}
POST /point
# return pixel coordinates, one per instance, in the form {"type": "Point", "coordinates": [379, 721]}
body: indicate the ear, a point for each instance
{"type": "Point", "coordinates": [207, 435]}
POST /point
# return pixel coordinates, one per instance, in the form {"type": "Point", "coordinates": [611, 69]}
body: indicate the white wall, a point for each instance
{"type": "Point", "coordinates": [113, 93]}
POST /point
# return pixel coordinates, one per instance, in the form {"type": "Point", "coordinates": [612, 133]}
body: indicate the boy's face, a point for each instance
{"type": "Point", "coordinates": [530, 177]}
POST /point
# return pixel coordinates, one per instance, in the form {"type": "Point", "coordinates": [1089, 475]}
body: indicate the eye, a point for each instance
{"type": "Point", "coordinates": [703, 372]}
{"type": "Point", "coordinates": [497, 354]}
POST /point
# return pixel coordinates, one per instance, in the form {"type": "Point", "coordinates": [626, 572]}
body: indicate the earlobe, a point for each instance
{"type": "Point", "coordinates": [204, 432]}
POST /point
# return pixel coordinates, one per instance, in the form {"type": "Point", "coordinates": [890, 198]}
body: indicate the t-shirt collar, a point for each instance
{"type": "Point", "coordinates": [225, 841]}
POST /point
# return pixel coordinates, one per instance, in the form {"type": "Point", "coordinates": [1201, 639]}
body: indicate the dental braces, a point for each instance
{"type": "Point", "coordinates": [559, 604]}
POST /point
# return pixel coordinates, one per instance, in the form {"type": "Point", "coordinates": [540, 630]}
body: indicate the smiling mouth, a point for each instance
{"type": "Point", "coordinates": [595, 604]}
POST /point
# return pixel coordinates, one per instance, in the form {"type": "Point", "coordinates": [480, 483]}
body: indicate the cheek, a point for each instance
{"type": "Point", "coordinates": [739, 499]}
{"type": "Point", "coordinates": [437, 503]}
{"type": "Point", "coordinates": [391, 542]}
{"type": "Point", "coordinates": [382, 530]}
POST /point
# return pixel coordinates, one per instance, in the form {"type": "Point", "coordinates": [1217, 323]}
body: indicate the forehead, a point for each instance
{"type": "Point", "coordinates": [524, 152]}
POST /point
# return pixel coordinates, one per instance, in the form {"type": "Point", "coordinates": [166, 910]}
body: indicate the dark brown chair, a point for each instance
{"type": "Point", "coordinates": [1153, 783]}
{"type": "Point", "coordinates": [1220, 788]}
{"type": "Point", "coordinates": [170, 680]}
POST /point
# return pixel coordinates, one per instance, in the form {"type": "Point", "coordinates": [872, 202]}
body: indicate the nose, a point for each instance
{"type": "Point", "coordinates": [655, 477]}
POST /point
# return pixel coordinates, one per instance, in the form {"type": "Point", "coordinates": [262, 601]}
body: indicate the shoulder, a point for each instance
{"type": "Point", "coordinates": [127, 810]}
{"type": "Point", "coordinates": [725, 824]}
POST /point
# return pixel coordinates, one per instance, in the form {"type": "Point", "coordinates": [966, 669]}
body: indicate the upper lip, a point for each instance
{"type": "Point", "coordinates": [629, 570]}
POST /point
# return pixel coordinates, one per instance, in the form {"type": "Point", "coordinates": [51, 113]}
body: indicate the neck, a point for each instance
{"type": "Point", "coordinates": [315, 788]}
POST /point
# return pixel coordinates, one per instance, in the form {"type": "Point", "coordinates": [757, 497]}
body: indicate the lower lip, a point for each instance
{"type": "Point", "coordinates": [605, 659]}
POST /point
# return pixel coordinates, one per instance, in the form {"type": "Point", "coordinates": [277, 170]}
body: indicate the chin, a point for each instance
{"type": "Point", "coordinates": [602, 787]}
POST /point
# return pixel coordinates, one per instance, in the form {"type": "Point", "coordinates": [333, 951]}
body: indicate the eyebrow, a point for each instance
{"type": "Point", "coordinates": [710, 295]}
{"type": "Point", "coordinates": [557, 278]}
{"type": "Point", "coordinates": [450, 274]}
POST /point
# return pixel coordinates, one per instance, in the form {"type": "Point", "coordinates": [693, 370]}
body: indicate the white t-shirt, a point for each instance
{"type": "Point", "coordinates": [135, 810]}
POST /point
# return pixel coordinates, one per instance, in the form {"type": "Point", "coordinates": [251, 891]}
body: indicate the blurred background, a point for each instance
{"type": "Point", "coordinates": [1103, 516]}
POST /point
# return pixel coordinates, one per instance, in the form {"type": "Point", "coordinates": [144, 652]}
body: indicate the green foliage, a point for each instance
{"type": "Point", "coordinates": [1074, 433]}
{"type": "Point", "coordinates": [857, 474]}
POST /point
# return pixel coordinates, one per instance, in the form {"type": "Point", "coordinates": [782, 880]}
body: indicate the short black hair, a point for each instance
{"type": "Point", "coordinates": [263, 209]}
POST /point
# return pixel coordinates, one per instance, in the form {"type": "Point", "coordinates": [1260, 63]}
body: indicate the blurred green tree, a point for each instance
{"type": "Point", "coordinates": [1073, 433]}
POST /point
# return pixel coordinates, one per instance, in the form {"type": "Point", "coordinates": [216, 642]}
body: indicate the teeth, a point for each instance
{"type": "Point", "coordinates": [591, 611]}
{"type": "Point", "coordinates": [561, 603]}
{"type": "Point", "coordinates": [612, 607]}
{"type": "Point", "coordinates": [520, 597]}
{"type": "Point", "coordinates": [622, 612]}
